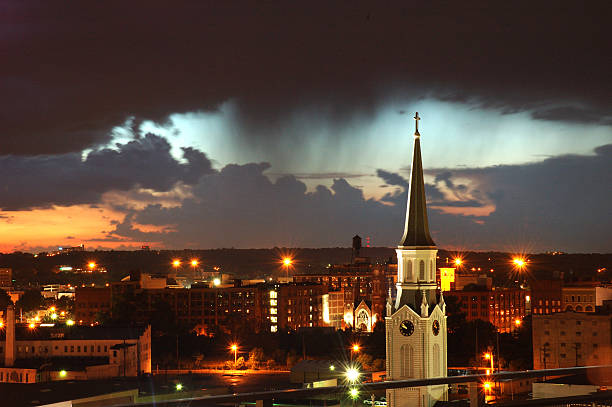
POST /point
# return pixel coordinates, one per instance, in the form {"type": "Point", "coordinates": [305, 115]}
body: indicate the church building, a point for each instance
{"type": "Point", "coordinates": [416, 319]}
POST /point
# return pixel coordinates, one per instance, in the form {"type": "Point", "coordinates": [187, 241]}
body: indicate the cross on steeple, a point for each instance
{"type": "Point", "coordinates": [416, 123]}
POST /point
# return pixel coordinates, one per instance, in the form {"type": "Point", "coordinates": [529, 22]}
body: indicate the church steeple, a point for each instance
{"type": "Point", "coordinates": [416, 229]}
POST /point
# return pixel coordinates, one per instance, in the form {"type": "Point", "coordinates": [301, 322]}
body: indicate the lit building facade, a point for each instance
{"type": "Point", "coordinates": [567, 339]}
{"type": "Point", "coordinates": [503, 307]}
{"type": "Point", "coordinates": [71, 353]}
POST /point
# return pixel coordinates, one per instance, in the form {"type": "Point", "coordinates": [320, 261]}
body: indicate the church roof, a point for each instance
{"type": "Point", "coordinates": [416, 229]}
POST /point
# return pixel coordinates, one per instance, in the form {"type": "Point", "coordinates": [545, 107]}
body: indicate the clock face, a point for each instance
{"type": "Point", "coordinates": [435, 327]}
{"type": "Point", "coordinates": [406, 328]}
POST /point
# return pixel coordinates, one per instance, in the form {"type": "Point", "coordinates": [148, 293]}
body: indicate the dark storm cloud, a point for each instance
{"type": "Point", "coordinates": [67, 179]}
{"type": "Point", "coordinates": [69, 74]}
{"type": "Point", "coordinates": [535, 207]}
{"type": "Point", "coordinates": [392, 178]}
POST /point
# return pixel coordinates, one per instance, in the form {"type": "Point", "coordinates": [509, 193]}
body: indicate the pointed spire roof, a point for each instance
{"type": "Point", "coordinates": [416, 229]}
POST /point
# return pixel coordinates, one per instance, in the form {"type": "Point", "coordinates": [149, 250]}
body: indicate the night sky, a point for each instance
{"type": "Point", "coordinates": [207, 124]}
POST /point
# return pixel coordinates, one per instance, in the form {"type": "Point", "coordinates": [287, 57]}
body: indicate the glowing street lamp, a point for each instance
{"type": "Point", "coordinates": [194, 263]}
{"type": "Point", "coordinates": [54, 316]}
{"type": "Point", "coordinates": [518, 322]}
{"type": "Point", "coordinates": [234, 348]}
{"type": "Point", "coordinates": [179, 387]}
{"type": "Point", "coordinates": [487, 386]}
{"type": "Point", "coordinates": [458, 262]}
{"type": "Point", "coordinates": [32, 325]}
{"type": "Point", "coordinates": [354, 349]}
{"type": "Point", "coordinates": [62, 373]}
{"type": "Point", "coordinates": [70, 322]}
{"type": "Point", "coordinates": [489, 356]}
{"type": "Point", "coordinates": [176, 263]}
{"type": "Point", "coordinates": [217, 282]}
{"type": "Point", "coordinates": [354, 392]}
{"type": "Point", "coordinates": [332, 367]}
{"type": "Point", "coordinates": [352, 374]}
{"type": "Point", "coordinates": [287, 262]}
{"type": "Point", "coordinates": [519, 262]}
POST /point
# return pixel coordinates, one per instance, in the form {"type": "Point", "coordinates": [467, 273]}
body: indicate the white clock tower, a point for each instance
{"type": "Point", "coordinates": [416, 320]}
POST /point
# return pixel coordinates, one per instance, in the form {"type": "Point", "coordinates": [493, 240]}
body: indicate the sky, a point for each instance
{"type": "Point", "coordinates": [207, 125]}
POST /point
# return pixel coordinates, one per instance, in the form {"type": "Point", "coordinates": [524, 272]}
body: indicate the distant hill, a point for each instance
{"type": "Point", "coordinates": [257, 263]}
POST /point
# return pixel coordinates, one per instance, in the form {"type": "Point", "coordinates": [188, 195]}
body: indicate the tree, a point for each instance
{"type": "Point", "coordinates": [5, 300]}
{"type": "Point", "coordinates": [31, 300]}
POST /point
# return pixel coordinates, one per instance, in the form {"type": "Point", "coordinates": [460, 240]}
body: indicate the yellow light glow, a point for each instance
{"type": "Point", "coordinates": [62, 373]}
{"type": "Point", "coordinates": [352, 374]}
{"type": "Point", "coordinates": [487, 356]}
{"type": "Point", "coordinates": [32, 325]}
{"type": "Point", "coordinates": [354, 393]}
{"type": "Point", "coordinates": [1, 324]}
{"type": "Point", "coordinates": [194, 262]}
{"type": "Point", "coordinates": [355, 348]}
{"type": "Point", "coordinates": [179, 387]}
{"type": "Point", "coordinates": [519, 262]}
{"type": "Point", "coordinates": [487, 385]}
{"type": "Point", "coordinates": [91, 265]}
{"type": "Point", "coordinates": [69, 322]}
{"type": "Point", "coordinates": [216, 281]}
{"type": "Point", "coordinates": [234, 347]}
{"type": "Point", "coordinates": [52, 309]}
{"type": "Point", "coordinates": [332, 367]}
{"type": "Point", "coordinates": [488, 372]}
{"type": "Point", "coordinates": [54, 316]}
{"type": "Point", "coordinates": [458, 261]}
{"type": "Point", "coordinates": [176, 263]}
{"type": "Point", "coordinates": [517, 322]}
{"type": "Point", "coordinates": [287, 261]}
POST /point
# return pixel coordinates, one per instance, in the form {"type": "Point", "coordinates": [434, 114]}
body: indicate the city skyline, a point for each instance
{"type": "Point", "coordinates": [213, 137]}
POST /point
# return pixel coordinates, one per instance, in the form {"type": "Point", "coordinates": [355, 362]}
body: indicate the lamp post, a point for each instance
{"type": "Point", "coordinates": [234, 348]}
{"type": "Point", "coordinates": [287, 262]}
{"type": "Point", "coordinates": [354, 349]}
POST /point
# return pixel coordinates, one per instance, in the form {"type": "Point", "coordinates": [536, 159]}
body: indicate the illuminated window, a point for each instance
{"type": "Point", "coordinates": [273, 328]}
{"type": "Point", "coordinates": [273, 319]}
{"type": "Point", "coordinates": [273, 294]}
{"type": "Point", "coordinates": [273, 311]}
{"type": "Point", "coordinates": [273, 302]}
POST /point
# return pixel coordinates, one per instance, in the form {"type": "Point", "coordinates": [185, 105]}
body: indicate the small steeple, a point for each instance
{"type": "Point", "coordinates": [424, 305]}
{"type": "Point", "coordinates": [416, 229]}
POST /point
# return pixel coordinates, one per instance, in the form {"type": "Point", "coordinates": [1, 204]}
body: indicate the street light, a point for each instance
{"type": "Point", "coordinates": [354, 392]}
{"type": "Point", "coordinates": [519, 262]}
{"type": "Point", "coordinates": [518, 322]}
{"type": "Point", "coordinates": [194, 263]}
{"type": "Point", "coordinates": [91, 265]}
{"type": "Point", "coordinates": [352, 374]}
{"type": "Point", "coordinates": [354, 349]}
{"type": "Point", "coordinates": [234, 348]}
{"type": "Point", "coordinates": [176, 263]}
{"type": "Point", "coordinates": [489, 356]}
{"type": "Point", "coordinates": [287, 262]}
{"type": "Point", "coordinates": [458, 262]}
{"type": "Point", "coordinates": [179, 387]}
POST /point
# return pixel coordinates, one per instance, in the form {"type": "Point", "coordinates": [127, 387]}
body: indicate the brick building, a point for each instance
{"type": "Point", "coordinates": [546, 296]}
{"type": "Point", "coordinates": [209, 308]}
{"type": "Point", "coordinates": [502, 307]}
{"type": "Point", "coordinates": [90, 302]}
{"type": "Point", "coordinates": [354, 283]}
{"type": "Point", "coordinates": [71, 353]}
{"type": "Point", "coordinates": [569, 339]}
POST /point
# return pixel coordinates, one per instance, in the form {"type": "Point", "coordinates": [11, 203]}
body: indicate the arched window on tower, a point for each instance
{"type": "Point", "coordinates": [408, 271]}
{"type": "Point", "coordinates": [422, 270]}
{"type": "Point", "coordinates": [406, 359]}
{"type": "Point", "coordinates": [431, 270]}
{"type": "Point", "coordinates": [436, 360]}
